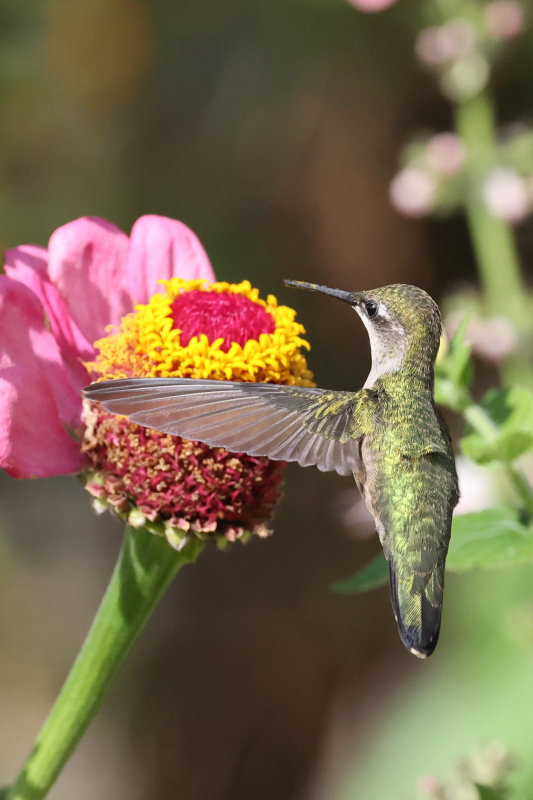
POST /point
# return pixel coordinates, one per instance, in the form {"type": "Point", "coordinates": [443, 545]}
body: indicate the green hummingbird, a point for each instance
{"type": "Point", "coordinates": [389, 435]}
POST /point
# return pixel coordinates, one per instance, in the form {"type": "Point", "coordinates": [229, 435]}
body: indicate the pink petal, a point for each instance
{"type": "Point", "coordinates": [87, 263]}
{"type": "Point", "coordinates": [371, 5]}
{"type": "Point", "coordinates": [26, 343]}
{"type": "Point", "coordinates": [28, 265]}
{"type": "Point", "coordinates": [163, 248]}
{"type": "Point", "coordinates": [33, 442]}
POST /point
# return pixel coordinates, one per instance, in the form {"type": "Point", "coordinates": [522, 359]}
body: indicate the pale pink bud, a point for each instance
{"type": "Point", "coordinates": [445, 154]}
{"type": "Point", "coordinates": [492, 338]}
{"type": "Point", "coordinates": [461, 36]}
{"type": "Point", "coordinates": [438, 45]}
{"type": "Point", "coordinates": [506, 195]}
{"type": "Point", "coordinates": [429, 786]}
{"type": "Point", "coordinates": [371, 5]}
{"type": "Point", "coordinates": [412, 192]}
{"type": "Point", "coordinates": [504, 19]}
{"type": "Point", "coordinates": [431, 47]}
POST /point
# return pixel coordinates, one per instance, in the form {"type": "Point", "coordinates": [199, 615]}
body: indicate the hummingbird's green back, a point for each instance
{"type": "Point", "coordinates": [410, 486]}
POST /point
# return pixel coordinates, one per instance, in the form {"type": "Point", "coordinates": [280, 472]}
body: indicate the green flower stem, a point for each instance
{"type": "Point", "coordinates": [521, 486]}
{"type": "Point", "coordinates": [478, 418]}
{"type": "Point", "coordinates": [144, 570]}
{"type": "Point", "coordinates": [493, 240]}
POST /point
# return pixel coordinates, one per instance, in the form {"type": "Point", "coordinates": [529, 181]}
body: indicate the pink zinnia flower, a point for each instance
{"type": "Point", "coordinates": [168, 484]}
{"type": "Point", "coordinates": [99, 304]}
{"type": "Point", "coordinates": [54, 303]}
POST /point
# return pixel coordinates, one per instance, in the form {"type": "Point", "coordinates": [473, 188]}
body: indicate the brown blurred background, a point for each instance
{"type": "Point", "coordinates": [272, 128]}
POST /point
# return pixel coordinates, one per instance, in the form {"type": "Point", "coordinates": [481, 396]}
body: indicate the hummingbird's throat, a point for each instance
{"type": "Point", "coordinates": [388, 348]}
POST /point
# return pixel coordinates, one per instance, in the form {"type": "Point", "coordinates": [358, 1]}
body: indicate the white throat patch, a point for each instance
{"type": "Point", "coordinates": [387, 356]}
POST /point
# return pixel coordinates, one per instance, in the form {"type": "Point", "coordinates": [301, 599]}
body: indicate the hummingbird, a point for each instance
{"type": "Point", "coordinates": [389, 435]}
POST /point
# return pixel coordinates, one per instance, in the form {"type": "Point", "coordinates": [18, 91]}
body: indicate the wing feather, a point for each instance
{"type": "Point", "coordinates": [284, 423]}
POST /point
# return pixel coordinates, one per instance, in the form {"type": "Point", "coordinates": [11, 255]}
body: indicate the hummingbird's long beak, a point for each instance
{"type": "Point", "coordinates": [349, 297]}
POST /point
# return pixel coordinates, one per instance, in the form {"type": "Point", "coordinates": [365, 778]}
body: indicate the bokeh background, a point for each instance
{"type": "Point", "coordinates": [273, 129]}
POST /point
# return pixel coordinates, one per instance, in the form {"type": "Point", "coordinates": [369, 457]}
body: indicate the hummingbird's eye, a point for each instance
{"type": "Point", "coordinates": [371, 308]}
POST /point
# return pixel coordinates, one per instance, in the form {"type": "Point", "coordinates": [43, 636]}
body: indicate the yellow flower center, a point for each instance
{"type": "Point", "coordinates": [156, 339]}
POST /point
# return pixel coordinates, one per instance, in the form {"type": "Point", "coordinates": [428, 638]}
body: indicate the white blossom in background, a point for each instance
{"type": "Point", "coordinates": [506, 194]}
{"type": "Point", "coordinates": [478, 487]}
{"type": "Point", "coordinates": [353, 514]}
{"type": "Point", "coordinates": [412, 192]}
{"type": "Point", "coordinates": [466, 76]}
{"type": "Point", "coordinates": [371, 5]}
{"type": "Point", "coordinates": [492, 338]}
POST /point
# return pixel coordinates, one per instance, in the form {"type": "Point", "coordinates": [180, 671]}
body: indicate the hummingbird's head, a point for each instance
{"type": "Point", "coordinates": [403, 324]}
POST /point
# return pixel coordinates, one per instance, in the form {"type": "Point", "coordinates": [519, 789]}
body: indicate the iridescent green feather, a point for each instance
{"type": "Point", "coordinates": [412, 490]}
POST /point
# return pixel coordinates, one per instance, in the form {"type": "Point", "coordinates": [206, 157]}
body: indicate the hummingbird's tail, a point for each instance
{"type": "Point", "coordinates": [417, 605]}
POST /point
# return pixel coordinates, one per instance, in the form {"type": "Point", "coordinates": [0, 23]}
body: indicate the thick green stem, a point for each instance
{"type": "Point", "coordinates": [492, 238]}
{"type": "Point", "coordinates": [478, 418]}
{"type": "Point", "coordinates": [144, 570]}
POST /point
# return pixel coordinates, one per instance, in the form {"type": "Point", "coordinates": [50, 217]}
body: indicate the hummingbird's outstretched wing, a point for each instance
{"type": "Point", "coordinates": [284, 423]}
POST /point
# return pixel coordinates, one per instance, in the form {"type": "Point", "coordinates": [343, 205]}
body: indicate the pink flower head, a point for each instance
{"type": "Point", "coordinates": [168, 484]}
{"type": "Point", "coordinates": [54, 303]}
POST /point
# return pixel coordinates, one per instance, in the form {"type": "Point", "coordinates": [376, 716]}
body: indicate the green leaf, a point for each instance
{"type": "Point", "coordinates": [374, 574]}
{"type": "Point", "coordinates": [486, 793]}
{"type": "Point", "coordinates": [454, 370]}
{"type": "Point", "coordinates": [511, 411]}
{"type": "Point", "coordinates": [459, 365]}
{"type": "Point", "coordinates": [489, 539]}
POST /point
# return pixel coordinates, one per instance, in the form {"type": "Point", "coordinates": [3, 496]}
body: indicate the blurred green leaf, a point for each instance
{"type": "Point", "coordinates": [486, 793]}
{"type": "Point", "coordinates": [512, 413]}
{"type": "Point", "coordinates": [373, 575]}
{"type": "Point", "coordinates": [454, 370]}
{"type": "Point", "coordinates": [481, 540]}
{"type": "Point", "coordinates": [458, 362]}
{"type": "Point", "coordinates": [489, 539]}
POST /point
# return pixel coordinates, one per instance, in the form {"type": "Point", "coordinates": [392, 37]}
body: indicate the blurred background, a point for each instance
{"type": "Point", "coordinates": [272, 129]}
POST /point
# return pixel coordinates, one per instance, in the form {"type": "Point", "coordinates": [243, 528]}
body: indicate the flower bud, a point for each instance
{"type": "Point", "coordinates": [445, 154]}
{"type": "Point", "coordinates": [465, 77]}
{"type": "Point", "coordinates": [504, 19]}
{"type": "Point", "coordinates": [371, 6]}
{"type": "Point", "coordinates": [412, 192]}
{"type": "Point", "coordinates": [505, 193]}
{"type": "Point", "coordinates": [438, 45]}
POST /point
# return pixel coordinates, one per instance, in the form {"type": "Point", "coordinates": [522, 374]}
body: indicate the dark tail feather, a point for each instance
{"type": "Point", "coordinates": [417, 610]}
